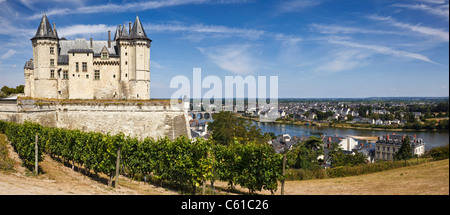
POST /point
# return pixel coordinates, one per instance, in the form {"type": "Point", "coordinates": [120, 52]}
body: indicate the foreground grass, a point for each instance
{"type": "Point", "coordinates": [425, 179]}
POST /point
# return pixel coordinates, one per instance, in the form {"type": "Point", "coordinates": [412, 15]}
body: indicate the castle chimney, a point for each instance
{"type": "Point", "coordinates": [54, 27]}
{"type": "Point", "coordinates": [129, 29]}
{"type": "Point", "coordinates": [109, 39]}
{"type": "Point", "coordinates": [91, 42]}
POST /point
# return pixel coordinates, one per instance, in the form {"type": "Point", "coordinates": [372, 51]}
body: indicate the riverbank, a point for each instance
{"type": "Point", "coordinates": [339, 125]}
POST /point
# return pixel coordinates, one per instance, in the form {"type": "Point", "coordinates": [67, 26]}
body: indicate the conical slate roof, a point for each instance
{"type": "Point", "coordinates": [117, 35]}
{"type": "Point", "coordinates": [137, 32]}
{"type": "Point", "coordinates": [124, 34]}
{"type": "Point", "coordinates": [44, 30]}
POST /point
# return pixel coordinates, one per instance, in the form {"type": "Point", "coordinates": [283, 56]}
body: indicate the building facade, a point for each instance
{"type": "Point", "coordinates": [387, 146]}
{"type": "Point", "coordinates": [81, 69]}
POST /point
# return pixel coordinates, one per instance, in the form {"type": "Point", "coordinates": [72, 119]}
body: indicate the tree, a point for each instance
{"type": "Point", "coordinates": [226, 127]}
{"type": "Point", "coordinates": [405, 151]}
{"type": "Point", "coordinates": [305, 155]}
{"type": "Point", "coordinates": [8, 91]}
{"type": "Point", "coordinates": [20, 89]}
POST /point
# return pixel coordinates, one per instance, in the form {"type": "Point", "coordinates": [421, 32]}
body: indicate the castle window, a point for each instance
{"type": "Point", "coordinates": [87, 76]}
{"type": "Point", "coordinates": [97, 75]}
{"type": "Point", "coordinates": [125, 54]}
{"type": "Point", "coordinates": [84, 67]}
{"type": "Point", "coordinates": [65, 75]}
{"type": "Point", "coordinates": [104, 55]}
{"type": "Point", "coordinates": [52, 50]}
{"type": "Point", "coordinates": [52, 62]}
{"type": "Point", "coordinates": [52, 73]}
{"type": "Point", "coordinates": [77, 67]}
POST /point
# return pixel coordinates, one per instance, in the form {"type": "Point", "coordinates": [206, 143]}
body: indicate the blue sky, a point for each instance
{"type": "Point", "coordinates": [317, 48]}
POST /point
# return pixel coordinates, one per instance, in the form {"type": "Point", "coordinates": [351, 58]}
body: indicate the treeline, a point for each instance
{"type": "Point", "coordinates": [184, 162]}
{"type": "Point", "coordinates": [428, 111]}
{"type": "Point", "coordinates": [6, 91]}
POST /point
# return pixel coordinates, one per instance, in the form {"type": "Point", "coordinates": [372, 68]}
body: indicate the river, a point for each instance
{"type": "Point", "coordinates": [432, 138]}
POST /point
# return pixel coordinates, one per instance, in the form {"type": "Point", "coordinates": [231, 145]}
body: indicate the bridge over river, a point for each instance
{"type": "Point", "coordinates": [202, 115]}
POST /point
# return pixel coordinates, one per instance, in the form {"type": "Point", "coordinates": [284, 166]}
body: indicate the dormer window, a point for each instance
{"type": "Point", "coordinates": [104, 53]}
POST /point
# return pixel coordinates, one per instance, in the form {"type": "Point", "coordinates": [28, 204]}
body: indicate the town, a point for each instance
{"type": "Point", "coordinates": [381, 113]}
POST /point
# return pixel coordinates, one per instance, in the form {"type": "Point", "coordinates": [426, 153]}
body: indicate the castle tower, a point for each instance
{"type": "Point", "coordinates": [139, 60]}
{"type": "Point", "coordinates": [45, 61]}
{"type": "Point", "coordinates": [29, 78]}
{"type": "Point", "coordinates": [123, 43]}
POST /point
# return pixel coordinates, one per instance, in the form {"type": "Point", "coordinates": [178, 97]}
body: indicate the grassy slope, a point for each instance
{"type": "Point", "coordinates": [425, 179]}
{"type": "Point", "coordinates": [430, 178]}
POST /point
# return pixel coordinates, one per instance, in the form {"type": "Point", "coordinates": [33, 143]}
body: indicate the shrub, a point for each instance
{"type": "Point", "coordinates": [439, 153]}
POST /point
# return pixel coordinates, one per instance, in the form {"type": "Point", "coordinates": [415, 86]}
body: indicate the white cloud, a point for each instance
{"type": "Point", "coordinates": [434, 32]}
{"type": "Point", "coordinates": [8, 54]}
{"type": "Point", "coordinates": [343, 61]}
{"type": "Point", "coordinates": [437, 10]}
{"type": "Point", "coordinates": [206, 29]}
{"type": "Point", "coordinates": [295, 5]}
{"type": "Point", "coordinates": [131, 6]}
{"type": "Point", "coordinates": [85, 30]}
{"type": "Point", "coordinates": [385, 50]}
{"type": "Point", "coordinates": [31, 3]}
{"type": "Point", "coordinates": [233, 58]}
{"type": "Point", "coordinates": [337, 29]}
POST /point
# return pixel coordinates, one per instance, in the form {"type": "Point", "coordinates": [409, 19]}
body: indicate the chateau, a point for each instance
{"type": "Point", "coordinates": [81, 69]}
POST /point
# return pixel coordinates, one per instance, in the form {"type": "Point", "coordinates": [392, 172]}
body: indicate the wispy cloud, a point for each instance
{"type": "Point", "coordinates": [342, 61]}
{"type": "Point", "coordinates": [337, 29]}
{"type": "Point", "coordinates": [84, 30]}
{"type": "Point", "coordinates": [434, 32]}
{"type": "Point", "coordinates": [384, 50]}
{"type": "Point", "coordinates": [437, 10]}
{"type": "Point", "coordinates": [206, 29]}
{"type": "Point", "coordinates": [131, 6]}
{"type": "Point", "coordinates": [296, 5]}
{"type": "Point", "coordinates": [31, 4]}
{"type": "Point", "coordinates": [8, 54]}
{"type": "Point", "coordinates": [233, 58]}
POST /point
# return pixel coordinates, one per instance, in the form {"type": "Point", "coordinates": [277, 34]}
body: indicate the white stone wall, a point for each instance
{"type": "Point", "coordinates": [140, 120]}
{"type": "Point", "coordinates": [108, 86]}
{"type": "Point", "coordinates": [81, 82]}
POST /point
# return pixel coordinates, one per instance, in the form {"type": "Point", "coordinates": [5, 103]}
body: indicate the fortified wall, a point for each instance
{"type": "Point", "coordinates": [148, 118]}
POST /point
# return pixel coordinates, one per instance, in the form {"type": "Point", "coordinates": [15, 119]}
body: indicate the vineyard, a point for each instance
{"type": "Point", "coordinates": [184, 162]}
